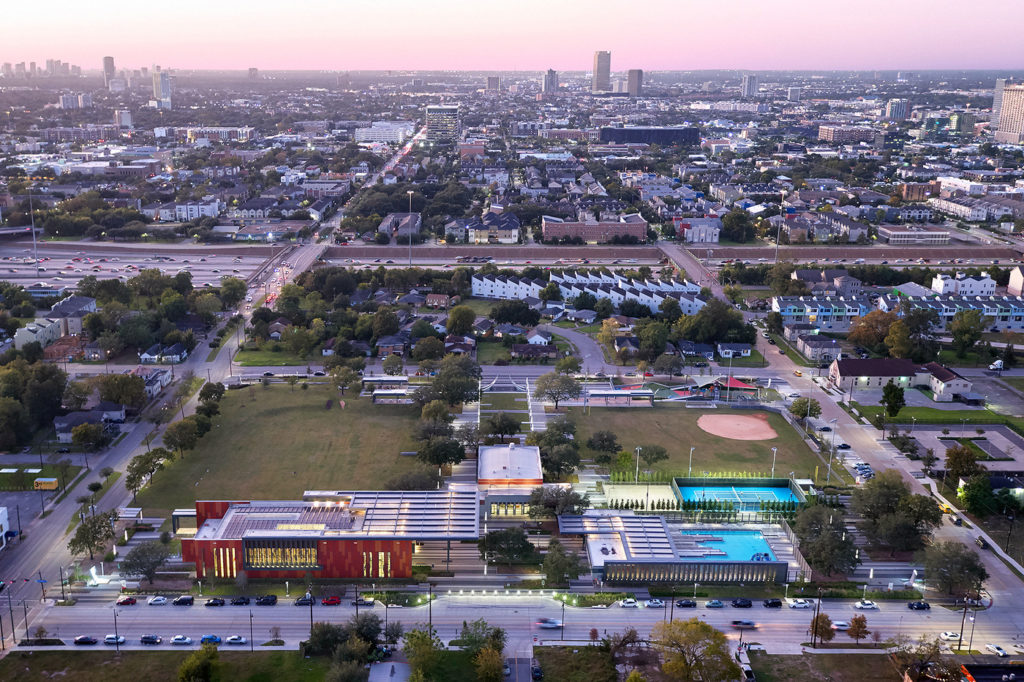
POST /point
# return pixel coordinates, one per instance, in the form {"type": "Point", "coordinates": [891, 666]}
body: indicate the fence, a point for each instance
{"type": "Point", "coordinates": [629, 573]}
{"type": "Point", "coordinates": [808, 572]}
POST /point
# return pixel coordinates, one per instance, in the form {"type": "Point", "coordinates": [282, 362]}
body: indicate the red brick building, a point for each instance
{"type": "Point", "coordinates": [594, 231]}
{"type": "Point", "coordinates": [365, 534]}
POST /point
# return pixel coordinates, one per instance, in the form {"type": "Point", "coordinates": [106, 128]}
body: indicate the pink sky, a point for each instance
{"type": "Point", "coordinates": [521, 35]}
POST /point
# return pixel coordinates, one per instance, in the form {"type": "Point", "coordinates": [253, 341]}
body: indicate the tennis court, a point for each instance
{"type": "Point", "coordinates": [743, 498]}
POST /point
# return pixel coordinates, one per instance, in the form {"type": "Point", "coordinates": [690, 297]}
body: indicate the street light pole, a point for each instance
{"type": "Point", "coordinates": [117, 637]}
{"type": "Point", "coordinates": [250, 632]}
{"type": "Point", "coordinates": [831, 451]}
{"type": "Point", "coordinates": [774, 453]}
{"type": "Point", "coordinates": [636, 477]}
{"type": "Point", "coordinates": [410, 193]}
{"type": "Point", "coordinates": [689, 471]}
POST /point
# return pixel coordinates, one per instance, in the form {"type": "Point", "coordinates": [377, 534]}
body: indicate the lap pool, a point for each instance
{"type": "Point", "coordinates": [724, 545]}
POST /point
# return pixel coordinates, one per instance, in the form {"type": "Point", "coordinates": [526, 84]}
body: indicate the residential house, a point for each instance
{"type": "Point", "coordinates": [734, 350]}
{"type": "Point", "coordinates": [42, 330]}
{"type": "Point", "coordinates": [538, 337]}
{"type": "Point", "coordinates": [630, 344]}
{"type": "Point", "coordinates": [944, 384]}
{"type": "Point", "coordinates": [70, 312]}
{"type": "Point", "coordinates": [393, 344]}
{"type": "Point", "coordinates": [528, 351]}
{"type": "Point", "coordinates": [818, 348]}
{"type": "Point", "coordinates": [151, 355]}
{"type": "Point", "coordinates": [442, 301]}
{"type": "Point", "coordinates": [829, 282]}
{"type": "Point", "coordinates": [277, 327]}
{"type": "Point", "coordinates": [400, 224]}
{"type": "Point", "coordinates": [696, 350]}
{"type": "Point", "coordinates": [1016, 284]}
{"type": "Point", "coordinates": [964, 285]}
{"type": "Point", "coordinates": [174, 354]}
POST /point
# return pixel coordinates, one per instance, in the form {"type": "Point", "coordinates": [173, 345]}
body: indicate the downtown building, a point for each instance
{"type": "Point", "coordinates": [602, 77]}
{"type": "Point", "coordinates": [443, 123]}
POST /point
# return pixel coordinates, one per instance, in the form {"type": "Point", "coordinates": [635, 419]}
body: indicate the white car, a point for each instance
{"type": "Point", "coordinates": [654, 604]}
{"type": "Point", "coordinates": [950, 636]}
{"type": "Point", "coordinates": [113, 639]}
{"type": "Point", "coordinates": [157, 601]}
{"type": "Point", "coordinates": [865, 604]}
{"type": "Point", "coordinates": [184, 640]}
{"type": "Point", "coordinates": [997, 650]}
{"type": "Point", "coordinates": [840, 625]}
{"type": "Point", "coordinates": [800, 604]}
{"type": "Point", "coordinates": [629, 603]}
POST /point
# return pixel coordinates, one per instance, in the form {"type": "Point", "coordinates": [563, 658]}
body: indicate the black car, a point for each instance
{"type": "Point", "coordinates": [686, 604]}
{"type": "Point", "coordinates": [240, 601]}
{"type": "Point", "coordinates": [304, 601]}
{"type": "Point", "coordinates": [268, 374]}
{"type": "Point", "coordinates": [216, 601]}
{"type": "Point", "coordinates": [843, 446]}
{"type": "Point", "coordinates": [63, 451]}
{"type": "Point", "coordinates": [150, 639]}
{"type": "Point", "coordinates": [184, 600]}
{"type": "Point", "coordinates": [919, 606]}
{"type": "Point", "coordinates": [742, 603]}
{"type": "Point", "coordinates": [267, 600]}
{"type": "Point", "coordinates": [772, 603]}
{"type": "Point", "coordinates": [85, 640]}
{"type": "Point", "coordinates": [536, 673]}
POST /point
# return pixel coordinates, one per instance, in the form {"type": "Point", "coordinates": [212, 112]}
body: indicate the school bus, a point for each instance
{"type": "Point", "coordinates": [45, 484]}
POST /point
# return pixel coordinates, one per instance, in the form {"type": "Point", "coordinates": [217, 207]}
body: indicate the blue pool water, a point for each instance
{"type": "Point", "coordinates": [744, 499]}
{"type": "Point", "coordinates": [724, 545]}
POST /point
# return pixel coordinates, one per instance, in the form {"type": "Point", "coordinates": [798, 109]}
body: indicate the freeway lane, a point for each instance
{"type": "Point", "coordinates": [781, 630]}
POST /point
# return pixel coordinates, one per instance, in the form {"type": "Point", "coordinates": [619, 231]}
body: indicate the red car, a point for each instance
{"type": "Point", "coordinates": [648, 374]}
{"type": "Point", "coordinates": [126, 601]}
{"type": "Point", "coordinates": [331, 601]}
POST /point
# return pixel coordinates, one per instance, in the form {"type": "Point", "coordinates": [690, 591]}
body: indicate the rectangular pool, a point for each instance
{"type": "Point", "coordinates": [743, 498]}
{"type": "Point", "coordinates": [724, 545]}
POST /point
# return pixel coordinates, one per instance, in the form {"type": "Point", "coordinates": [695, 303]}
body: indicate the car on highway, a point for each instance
{"type": "Point", "coordinates": [997, 650]}
{"type": "Point", "coordinates": [85, 640]}
{"type": "Point", "coordinates": [236, 639]}
{"type": "Point", "coordinates": [686, 604]}
{"type": "Point", "coordinates": [150, 639]}
{"type": "Point", "coordinates": [240, 601]}
{"type": "Point", "coordinates": [865, 604]}
{"type": "Point", "coordinates": [304, 601]}
{"type": "Point", "coordinates": [714, 604]}
{"type": "Point", "coordinates": [216, 601]}
{"type": "Point", "coordinates": [267, 600]}
{"type": "Point", "coordinates": [113, 639]}
{"type": "Point", "coordinates": [181, 640]}
{"type": "Point", "coordinates": [744, 625]}
{"type": "Point", "coordinates": [919, 606]}
{"type": "Point", "coordinates": [772, 603]}
{"type": "Point", "coordinates": [157, 601]}
{"type": "Point", "coordinates": [629, 603]}
{"type": "Point", "coordinates": [210, 639]}
{"type": "Point", "coordinates": [549, 623]}
{"type": "Point", "coordinates": [184, 600]}
{"type": "Point", "coordinates": [654, 604]}
{"type": "Point", "coordinates": [742, 603]}
{"type": "Point", "coordinates": [331, 601]}
{"type": "Point", "coordinates": [800, 604]}
{"type": "Point", "coordinates": [127, 601]}
{"type": "Point", "coordinates": [950, 636]}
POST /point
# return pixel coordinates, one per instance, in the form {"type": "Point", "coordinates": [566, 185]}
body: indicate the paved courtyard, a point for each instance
{"type": "Point", "coordinates": [999, 441]}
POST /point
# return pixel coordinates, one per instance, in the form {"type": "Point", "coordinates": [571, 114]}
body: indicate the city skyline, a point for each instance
{"type": "Point", "coordinates": [760, 38]}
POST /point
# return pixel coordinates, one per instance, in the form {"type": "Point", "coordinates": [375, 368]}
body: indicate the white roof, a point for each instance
{"type": "Point", "coordinates": [511, 464]}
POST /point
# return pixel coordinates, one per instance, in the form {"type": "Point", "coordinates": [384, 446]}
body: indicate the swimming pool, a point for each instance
{"type": "Point", "coordinates": [743, 498]}
{"type": "Point", "coordinates": [724, 545]}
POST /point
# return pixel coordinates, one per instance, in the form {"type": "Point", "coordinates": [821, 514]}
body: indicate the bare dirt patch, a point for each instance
{"type": "Point", "coordinates": [737, 426]}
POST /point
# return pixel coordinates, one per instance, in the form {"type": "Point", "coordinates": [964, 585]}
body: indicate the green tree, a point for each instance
{"type": "Point", "coordinates": [488, 664]}
{"type": "Point", "coordinates": [773, 322]}
{"type": "Point", "coordinates": [962, 463]}
{"type": "Point", "coordinates": [478, 634]}
{"type": "Point", "coordinates": [667, 365]}
{"type": "Point", "coordinates": [858, 629]}
{"type": "Point", "coordinates": [966, 329]}
{"type": "Point", "coordinates": [93, 534]}
{"type": "Point", "coordinates": [977, 496]}
{"type": "Point", "coordinates": [200, 666]}
{"type": "Point", "coordinates": [652, 454]}
{"type": "Point", "coordinates": [76, 393]}
{"type": "Point", "coordinates": [232, 291]}
{"type": "Point", "coordinates": [604, 442]}
{"type": "Point", "coordinates": [145, 560]}
{"type": "Point", "coordinates": [824, 542]}
{"type": "Point", "coordinates": [393, 365]}
{"type": "Point", "coordinates": [694, 651]}
{"type": "Point", "coordinates": [423, 650]}
{"type": "Point", "coordinates": [324, 638]}
{"type": "Point", "coordinates": [506, 545]}
{"type": "Point", "coordinates": [821, 628]}
{"type": "Point", "coordinates": [561, 565]}
{"type": "Point", "coordinates": [568, 365]}
{"type": "Point", "coordinates": [892, 399]}
{"type": "Point", "coordinates": [871, 330]}
{"type": "Point", "coordinates": [554, 501]}
{"type": "Point", "coordinates": [551, 292]}
{"type": "Point", "coordinates": [891, 515]}
{"type": "Point", "coordinates": [501, 424]}
{"type": "Point", "coordinates": [737, 226]}
{"type": "Point", "coordinates": [212, 391]}
{"type": "Point", "coordinates": [367, 626]}
{"type": "Point", "coordinates": [428, 348]}
{"type": "Point", "coordinates": [460, 320]}
{"type": "Point", "coordinates": [953, 567]}
{"type": "Point", "coordinates": [88, 436]}
{"type": "Point", "coordinates": [898, 340]}
{"type": "Point", "coordinates": [556, 388]}
{"type": "Point", "coordinates": [182, 435]}
{"type": "Point", "coordinates": [441, 451]}
{"type": "Point", "coordinates": [560, 460]}
{"type": "Point", "coordinates": [801, 408]}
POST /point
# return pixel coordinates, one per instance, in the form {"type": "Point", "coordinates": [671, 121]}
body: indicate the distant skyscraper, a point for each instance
{"type": "Point", "coordinates": [8, 70]}
{"type": "Point", "coordinates": [897, 109]}
{"type": "Point", "coordinates": [494, 83]}
{"type": "Point", "coordinates": [748, 86]}
{"type": "Point", "coordinates": [108, 71]}
{"type": "Point", "coordinates": [1011, 115]}
{"type": "Point", "coordinates": [161, 88]}
{"type": "Point", "coordinates": [635, 82]}
{"type": "Point", "coordinates": [602, 80]}
{"type": "Point", "coordinates": [794, 93]}
{"type": "Point", "coordinates": [550, 81]}
{"type": "Point", "coordinates": [997, 99]}
{"type": "Point", "coordinates": [442, 123]}
{"type": "Point", "coordinates": [254, 73]}
{"type": "Point", "coordinates": [32, 70]}
{"type": "Point", "coordinates": [123, 118]}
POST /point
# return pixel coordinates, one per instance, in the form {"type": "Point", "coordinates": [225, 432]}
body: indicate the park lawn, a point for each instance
{"type": "Point", "coordinates": [503, 401]}
{"type": "Point", "coordinates": [576, 663]}
{"type": "Point", "coordinates": [268, 358]}
{"type": "Point", "coordinates": [835, 667]}
{"type": "Point", "coordinates": [931, 415]}
{"type": "Point", "coordinates": [26, 481]}
{"type": "Point", "coordinates": [489, 352]}
{"type": "Point", "coordinates": [948, 357]}
{"type": "Point", "coordinates": [276, 442]}
{"type": "Point", "coordinates": [159, 666]}
{"type": "Point", "coordinates": [674, 427]}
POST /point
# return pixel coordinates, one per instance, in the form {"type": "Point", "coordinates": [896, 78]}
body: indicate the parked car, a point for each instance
{"type": "Point", "coordinates": [85, 640]}
{"type": "Point", "coordinates": [713, 604]}
{"type": "Point", "coordinates": [240, 601]}
{"type": "Point", "coordinates": [772, 603]}
{"type": "Point", "coordinates": [654, 604]}
{"type": "Point", "coordinates": [236, 639]}
{"type": "Point", "coordinates": [304, 601]}
{"type": "Point", "coordinates": [865, 604]}
{"type": "Point", "coordinates": [919, 606]}
{"type": "Point", "coordinates": [629, 603]}
{"type": "Point", "coordinates": [114, 639]}
{"type": "Point", "coordinates": [360, 601]}
{"type": "Point", "coordinates": [800, 604]}
{"type": "Point", "coordinates": [157, 601]}
{"type": "Point", "coordinates": [149, 639]}
{"type": "Point", "coordinates": [267, 600]}
{"type": "Point", "coordinates": [182, 640]}
{"type": "Point", "coordinates": [184, 600]}
{"type": "Point", "coordinates": [997, 650]}
{"type": "Point", "coordinates": [331, 601]}
{"type": "Point", "coordinates": [686, 604]}
{"type": "Point", "coordinates": [742, 603]}
{"type": "Point", "coordinates": [126, 601]}
{"type": "Point", "coordinates": [216, 601]}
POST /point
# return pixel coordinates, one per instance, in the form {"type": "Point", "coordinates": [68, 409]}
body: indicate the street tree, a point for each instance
{"type": "Point", "coordinates": [488, 664]}
{"type": "Point", "coordinates": [93, 534]}
{"type": "Point", "coordinates": [560, 564]}
{"type": "Point", "coordinates": [858, 629]}
{"type": "Point", "coordinates": [343, 377]}
{"type": "Point", "coordinates": [953, 568]}
{"type": "Point", "coordinates": [501, 424]}
{"type": "Point", "coordinates": [428, 348]}
{"type": "Point", "coordinates": [145, 560]}
{"type": "Point", "coordinates": [479, 634]}
{"type": "Point", "coordinates": [552, 502]}
{"type": "Point", "coordinates": [962, 463]}
{"type": "Point", "coordinates": [667, 365]}
{"type": "Point", "coordinates": [892, 516]}
{"type": "Point", "coordinates": [892, 399]}
{"type": "Point", "coordinates": [821, 628]}
{"type": "Point", "coordinates": [423, 650]}
{"type": "Point", "coordinates": [506, 545]}
{"type": "Point", "coordinates": [182, 435]}
{"type": "Point", "coordinates": [977, 496]}
{"type": "Point", "coordinates": [804, 407]}
{"type": "Point", "coordinates": [966, 329]}
{"type": "Point", "coordinates": [126, 389]}
{"type": "Point", "coordinates": [556, 388]}
{"type": "Point", "coordinates": [693, 651]}
{"type": "Point", "coordinates": [212, 391]}
{"type": "Point", "coordinates": [88, 436]}
{"type": "Point", "coordinates": [392, 365]}
{"type": "Point", "coordinates": [200, 666]}
{"type": "Point", "coordinates": [568, 365]}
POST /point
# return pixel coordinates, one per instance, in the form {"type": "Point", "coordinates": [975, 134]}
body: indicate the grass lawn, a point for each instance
{"type": "Point", "coordinates": [158, 666]}
{"type": "Point", "coordinates": [931, 415]}
{"type": "Point", "coordinates": [489, 352]}
{"type": "Point", "coordinates": [576, 664]}
{"type": "Point", "coordinates": [503, 401]}
{"type": "Point", "coordinates": [275, 443]}
{"type": "Point", "coordinates": [1014, 382]}
{"type": "Point", "coordinates": [674, 427]}
{"type": "Point", "coordinates": [454, 665]}
{"type": "Point", "coordinates": [25, 481]}
{"type": "Point", "coordinates": [835, 667]}
{"type": "Point", "coordinates": [480, 306]}
{"type": "Point", "coordinates": [791, 352]}
{"type": "Point", "coordinates": [268, 358]}
{"type": "Point", "coordinates": [755, 360]}
{"type": "Point", "coordinates": [948, 357]}
{"type": "Point", "coordinates": [562, 344]}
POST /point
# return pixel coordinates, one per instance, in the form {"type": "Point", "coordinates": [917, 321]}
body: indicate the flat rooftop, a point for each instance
{"type": "Point", "coordinates": [614, 535]}
{"type": "Point", "coordinates": [509, 465]}
{"type": "Point", "coordinates": [354, 515]}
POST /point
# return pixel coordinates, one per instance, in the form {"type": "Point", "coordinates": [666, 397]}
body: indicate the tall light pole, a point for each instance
{"type": "Point", "coordinates": [636, 478]}
{"type": "Point", "coordinates": [774, 452]}
{"type": "Point", "coordinates": [689, 471]}
{"type": "Point", "coordinates": [410, 193]}
{"type": "Point", "coordinates": [831, 450]}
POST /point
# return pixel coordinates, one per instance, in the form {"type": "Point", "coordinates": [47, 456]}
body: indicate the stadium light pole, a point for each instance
{"type": "Point", "coordinates": [774, 452]}
{"type": "Point", "coordinates": [636, 477]}
{"type": "Point", "coordinates": [689, 470]}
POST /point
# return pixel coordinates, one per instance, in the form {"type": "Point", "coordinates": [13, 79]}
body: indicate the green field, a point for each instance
{"type": "Point", "coordinates": [25, 481]}
{"type": "Point", "coordinates": [489, 352]}
{"type": "Point", "coordinates": [674, 427]}
{"type": "Point", "coordinates": [503, 401]}
{"type": "Point", "coordinates": [268, 358]}
{"type": "Point", "coordinates": [1014, 382]}
{"type": "Point", "coordinates": [276, 442]}
{"type": "Point", "coordinates": [931, 415]}
{"type": "Point", "coordinates": [576, 664]}
{"type": "Point", "coordinates": [159, 666]}
{"type": "Point", "coordinates": [755, 360]}
{"type": "Point", "coordinates": [835, 667]}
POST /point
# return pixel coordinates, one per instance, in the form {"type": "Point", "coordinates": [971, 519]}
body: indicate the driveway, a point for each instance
{"type": "Point", "coordinates": [588, 350]}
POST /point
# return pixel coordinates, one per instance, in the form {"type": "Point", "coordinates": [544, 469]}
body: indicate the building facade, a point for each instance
{"type": "Point", "coordinates": [601, 80]}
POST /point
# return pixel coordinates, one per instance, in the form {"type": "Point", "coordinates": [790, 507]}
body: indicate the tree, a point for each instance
{"type": "Point", "coordinates": [182, 435]}
{"type": "Point", "coordinates": [212, 391]}
{"type": "Point", "coordinates": [821, 628]}
{"type": "Point", "coordinates": [737, 226]}
{"type": "Point", "coordinates": [652, 454]}
{"type": "Point", "coordinates": [773, 322]}
{"type": "Point", "coordinates": [367, 626]}
{"type": "Point", "coordinates": [923, 659]}
{"type": "Point", "coordinates": [393, 365]}
{"type": "Point", "coordinates": [515, 312]}
{"type": "Point", "coordinates": [441, 451]}
{"type": "Point", "coordinates": [76, 393]}
{"type": "Point", "coordinates": [892, 399]}
{"type": "Point", "coordinates": [977, 496]}
{"type": "Point", "coordinates": [604, 442]}
{"type": "Point", "coordinates": [694, 651]}
{"type": "Point", "coordinates": [428, 348]}
{"type": "Point", "coordinates": [414, 480]}
{"type": "Point", "coordinates": [609, 330]}
{"type": "Point", "coordinates": [551, 292]}
{"type": "Point", "coordinates": [953, 567]}
{"type": "Point", "coordinates": [93, 533]}
{"type": "Point", "coordinates": [501, 425]}
{"type": "Point", "coordinates": [716, 321]}
{"type": "Point", "coordinates": [460, 320]}
{"type": "Point", "coordinates": [556, 387]}
{"type": "Point", "coordinates": [568, 365]}
{"type": "Point", "coordinates": [145, 560]}
{"type": "Point", "coordinates": [343, 377]}
{"type": "Point", "coordinates": [347, 671]}
{"type": "Point", "coordinates": [871, 330]}
{"type": "Point", "coordinates": [966, 329]}
{"type": "Point", "coordinates": [858, 628]}
{"type": "Point", "coordinates": [553, 502]}
{"type": "Point", "coordinates": [898, 340]}
{"type": "Point", "coordinates": [507, 545]}
{"type": "Point", "coordinates": [667, 365]}
{"type": "Point", "coordinates": [200, 665]}
{"type": "Point", "coordinates": [488, 664]}
{"type": "Point", "coordinates": [232, 291]}
{"type": "Point", "coordinates": [561, 565]}
{"type": "Point", "coordinates": [88, 436]}
{"type": "Point", "coordinates": [126, 389]}
{"type": "Point", "coordinates": [560, 460]}
{"type": "Point", "coordinates": [962, 463]}
{"type": "Point", "coordinates": [393, 631]}
{"type": "Point", "coordinates": [478, 634]}
{"type": "Point", "coordinates": [824, 542]}
{"type": "Point", "coordinates": [324, 638]}
{"type": "Point", "coordinates": [921, 323]}
{"type": "Point", "coordinates": [891, 515]}
{"type": "Point", "coordinates": [802, 408]}
{"type": "Point", "coordinates": [422, 649]}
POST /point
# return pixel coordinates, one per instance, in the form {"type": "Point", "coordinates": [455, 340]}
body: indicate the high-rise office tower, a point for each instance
{"type": "Point", "coordinates": [108, 71]}
{"type": "Point", "coordinates": [494, 82]}
{"type": "Point", "coordinates": [32, 69]}
{"type": "Point", "coordinates": [161, 88]}
{"type": "Point", "coordinates": [7, 70]}
{"type": "Point", "coordinates": [997, 98]}
{"type": "Point", "coordinates": [602, 80]}
{"type": "Point", "coordinates": [635, 82]}
{"type": "Point", "coordinates": [1011, 115]}
{"type": "Point", "coordinates": [897, 109]}
{"type": "Point", "coordinates": [794, 93]}
{"type": "Point", "coordinates": [550, 81]}
{"type": "Point", "coordinates": [254, 73]}
{"type": "Point", "coordinates": [123, 118]}
{"type": "Point", "coordinates": [748, 86]}
{"type": "Point", "coordinates": [442, 123]}
{"type": "Point", "coordinates": [962, 123]}
{"type": "Point", "coordinates": [19, 69]}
